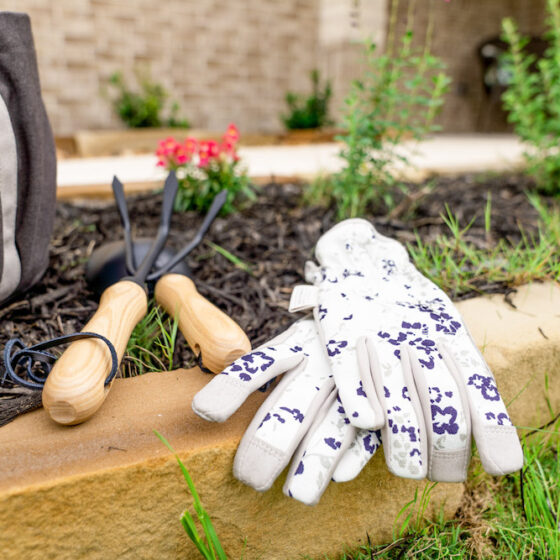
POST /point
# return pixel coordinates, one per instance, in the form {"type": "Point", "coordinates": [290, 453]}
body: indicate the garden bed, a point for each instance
{"type": "Point", "coordinates": [272, 239]}
{"type": "Point", "coordinates": [57, 479]}
{"type": "Point", "coordinates": [95, 143]}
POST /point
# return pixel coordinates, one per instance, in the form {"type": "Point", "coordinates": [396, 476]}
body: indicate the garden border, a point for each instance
{"type": "Point", "coordinates": [108, 488]}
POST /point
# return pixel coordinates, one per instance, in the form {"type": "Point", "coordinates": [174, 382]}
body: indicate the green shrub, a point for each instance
{"type": "Point", "coordinates": [203, 169]}
{"type": "Point", "coordinates": [143, 109]}
{"type": "Point", "coordinates": [397, 98]}
{"type": "Point", "coordinates": [533, 99]}
{"type": "Point", "coordinates": [310, 112]}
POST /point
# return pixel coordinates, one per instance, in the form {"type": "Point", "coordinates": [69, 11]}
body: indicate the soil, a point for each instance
{"type": "Point", "coordinates": [274, 236]}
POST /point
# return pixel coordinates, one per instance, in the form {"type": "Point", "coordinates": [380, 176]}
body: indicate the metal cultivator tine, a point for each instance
{"type": "Point", "coordinates": [217, 203]}
{"type": "Point", "coordinates": [120, 199]}
{"type": "Point", "coordinates": [169, 194]}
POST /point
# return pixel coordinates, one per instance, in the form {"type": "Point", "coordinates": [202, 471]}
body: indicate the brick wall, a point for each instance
{"type": "Point", "coordinates": [225, 60]}
{"type": "Point", "coordinates": [221, 60]}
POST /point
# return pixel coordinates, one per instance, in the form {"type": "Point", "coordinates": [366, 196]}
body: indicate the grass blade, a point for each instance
{"type": "Point", "coordinates": [212, 546]}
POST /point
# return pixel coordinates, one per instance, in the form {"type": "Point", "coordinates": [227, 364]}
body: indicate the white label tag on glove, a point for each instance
{"type": "Point", "coordinates": [303, 297]}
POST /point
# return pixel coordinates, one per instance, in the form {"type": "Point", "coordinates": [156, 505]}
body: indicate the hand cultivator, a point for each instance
{"type": "Point", "coordinates": [80, 379]}
{"type": "Point", "coordinates": [214, 336]}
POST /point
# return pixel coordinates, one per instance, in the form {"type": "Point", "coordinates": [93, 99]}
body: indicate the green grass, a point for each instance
{"type": "Point", "coordinates": [151, 345]}
{"type": "Point", "coordinates": [460, 267]}
{"type": "Point", "coordinates": [209, 546]}
{"type": "Point", "coordinates": [515, 516]}
{"type": "Point", "coordinates": [230, 257]}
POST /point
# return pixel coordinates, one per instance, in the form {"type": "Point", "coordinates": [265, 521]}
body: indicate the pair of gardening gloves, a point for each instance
{"type": "Point", "coordinates": [385, 358]}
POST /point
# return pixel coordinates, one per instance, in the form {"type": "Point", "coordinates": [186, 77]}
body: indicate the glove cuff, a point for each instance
{"type": "Point", "coordinates": [303, 298]}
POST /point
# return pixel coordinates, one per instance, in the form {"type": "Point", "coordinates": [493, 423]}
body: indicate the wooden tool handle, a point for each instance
{"type": "Point", "coordinates": [75, 388]}
{"type": "Point", "coordinates": [207, 329]}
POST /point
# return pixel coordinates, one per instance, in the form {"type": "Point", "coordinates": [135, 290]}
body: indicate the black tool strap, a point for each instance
{"type": "Point", "coordinates": [17, 354]}
{"type": "Point", "coordinates": [201, 366]}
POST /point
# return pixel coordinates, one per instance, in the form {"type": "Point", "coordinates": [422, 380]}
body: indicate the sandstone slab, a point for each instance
{"type": "Point", "coordinates": [109, 489]}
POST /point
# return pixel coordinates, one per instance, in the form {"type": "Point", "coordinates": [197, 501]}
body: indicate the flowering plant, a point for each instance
{"type": "Point", "coordinates": [204, 168]}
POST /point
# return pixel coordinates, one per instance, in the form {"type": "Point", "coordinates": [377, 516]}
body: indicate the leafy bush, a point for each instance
{"type": "Point", "coordinates": [203, 169]}
{"type": "Point", "coordinates": [310, 112]}
{"type": "Point", "coordinates": [398, 98]}
{"type": "Point", "coordinates": [533, 99]}
{"type": "Point", "coordinates": [143, 109]}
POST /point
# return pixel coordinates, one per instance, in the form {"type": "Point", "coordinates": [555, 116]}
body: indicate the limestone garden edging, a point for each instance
{"type": "Point", "coordinates": [109, 489]}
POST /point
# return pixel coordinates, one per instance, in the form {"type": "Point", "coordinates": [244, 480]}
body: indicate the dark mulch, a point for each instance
{"type": "Point", "coordinates": [275, 236]}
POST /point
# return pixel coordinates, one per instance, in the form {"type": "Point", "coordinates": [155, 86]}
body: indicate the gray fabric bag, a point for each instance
{"type": "Point", "coordinates": [27, 162]}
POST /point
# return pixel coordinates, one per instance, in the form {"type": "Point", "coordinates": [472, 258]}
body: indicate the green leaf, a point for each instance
{"type": "Point", "coordinates": [212, 546]}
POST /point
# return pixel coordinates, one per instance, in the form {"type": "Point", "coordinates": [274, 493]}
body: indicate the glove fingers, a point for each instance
{"type": "Point", "coordinates": [446, 416]}
{"type": "Point", "coordinates": [227, 391]}
{"type": "Point", "coordinates": [277, 429]}
{"type": "Point", "coordinates": [496, 438]}
{"type": "Point", "coordinates": [403, 435]}
{"type": "Point", "coordinates": [317, 456]}
{"type": "Point", "coordinates": [283, 419]}
{"type": "Point", "coordinates": [355, 458]}
{"type": "Point", "coordinates": [351, 372]}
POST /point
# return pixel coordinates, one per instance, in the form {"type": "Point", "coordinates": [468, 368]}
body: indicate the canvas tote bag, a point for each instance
{"type": "Point", "coordinates": [27, 162]}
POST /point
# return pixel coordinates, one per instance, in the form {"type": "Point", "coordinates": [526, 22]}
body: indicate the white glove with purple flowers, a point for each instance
{"type": "Point", "coordinates": [302, 415]}
{"type": "Point", "coordinates": [402, 359]}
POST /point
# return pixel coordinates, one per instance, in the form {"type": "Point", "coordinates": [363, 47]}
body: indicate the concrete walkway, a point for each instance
{"type": "Point", "coordinates": [442, 154]}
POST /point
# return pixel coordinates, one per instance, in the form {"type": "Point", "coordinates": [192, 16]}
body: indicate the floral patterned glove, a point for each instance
{"type": "Point", "coordinates": [301, 415]}
{"type": "Point", "coordinates": [403, 360]}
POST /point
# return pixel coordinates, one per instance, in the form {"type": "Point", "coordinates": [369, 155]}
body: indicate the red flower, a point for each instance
{"type": "Point", "coordinates": [190, 146]}
{"type": "Point", "coordinates": [213, 149]}
{"type": "Point", "coordinates": [180, 154]}
{"type": "Point", "coordinates": [228, 147]}
{"type": "Point", "coordinates": [165, 148]}
{"type": "Point", "coordinates": [232, 134]}
{"type": "Point", "coordinates": [171, 153]}
{"type": "Point", "coordinates": [203, 153]}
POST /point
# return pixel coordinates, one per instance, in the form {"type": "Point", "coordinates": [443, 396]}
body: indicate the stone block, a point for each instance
{"type": "Point", "coordinates": [521, 342]}
{"type": "Point", "coordinates": [109, 489]}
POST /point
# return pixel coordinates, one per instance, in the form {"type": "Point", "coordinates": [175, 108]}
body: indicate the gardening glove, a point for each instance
{"type": "Point", "coordinates": [302, 412]}
{"type": "Point", "coordinates": [403, 360]}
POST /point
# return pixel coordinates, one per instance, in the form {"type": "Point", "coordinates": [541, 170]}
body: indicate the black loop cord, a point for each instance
{"type": "Point", "coordinates": [27, 357]}
{"type": "Point", "coordinates": [202, 367]}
